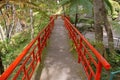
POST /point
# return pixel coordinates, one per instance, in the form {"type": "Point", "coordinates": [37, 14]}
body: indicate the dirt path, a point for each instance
{"type": "Point", "coordinates": [59, 62]}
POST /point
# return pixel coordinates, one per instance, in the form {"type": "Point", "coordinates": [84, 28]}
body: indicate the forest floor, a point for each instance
{"type": "Point", "coordinates": [59, 63]}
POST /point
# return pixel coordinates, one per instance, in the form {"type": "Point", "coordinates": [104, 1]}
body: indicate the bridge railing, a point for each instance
{"type": "Point", "coordinates": [24, 65]}
{"type": "Point", "coordinates": [90, 58]}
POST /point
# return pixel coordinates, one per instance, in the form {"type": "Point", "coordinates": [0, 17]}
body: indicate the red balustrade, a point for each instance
{"type": "Point", "coordinates": [90, 58]}
{"type": "Point", "coordinates": [24, 65]}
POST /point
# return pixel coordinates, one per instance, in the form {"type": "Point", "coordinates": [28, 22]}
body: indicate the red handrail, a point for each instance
{"type": "Point", "coordinates": [24, 65]}
{"type": "Point", "coordinates": [87, 54]}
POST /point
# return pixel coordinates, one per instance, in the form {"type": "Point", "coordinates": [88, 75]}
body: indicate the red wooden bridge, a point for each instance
{"type": "Point", "coordinates": [23, 67]}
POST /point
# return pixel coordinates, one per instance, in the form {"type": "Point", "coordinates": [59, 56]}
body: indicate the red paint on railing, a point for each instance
{"type": "Point", "coordinates": [90, 58]}
{"type": "Point", "coordinates": [24, 65]}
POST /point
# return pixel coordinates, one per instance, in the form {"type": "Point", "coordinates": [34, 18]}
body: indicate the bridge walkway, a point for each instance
{"type": "Point", "coordinates": [60, 63]}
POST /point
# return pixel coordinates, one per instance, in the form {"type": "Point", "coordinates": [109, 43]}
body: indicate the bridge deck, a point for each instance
{"type": "Point", "coordinates": [59, 62]}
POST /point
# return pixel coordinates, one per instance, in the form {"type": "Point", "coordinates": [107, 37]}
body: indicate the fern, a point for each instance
{"type": "Point", "coordinates": [64, 2]}
{"type": "Point", "coordinates": [109, 5]}
{"type": "Point", "coordinates": [87, 5]}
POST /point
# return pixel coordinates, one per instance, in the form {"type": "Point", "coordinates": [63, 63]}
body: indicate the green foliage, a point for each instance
{"type": "Point", "coordinates": [40, 21]}
{"type": "Point", "coordinates": [116, 26]}
{"type": "Point", "coordinates": [64, 2]}
{"type": "Point", "coordinates": [10, 49]}
{"type": "Point", "coordinates": [109, 5]}
{"type": "Point", "coordinates": [73, 50]}
{"type": "Point", "coordinates": [86, 20]}
{"type": "Point", "coordinates": [113, 59]}
{"type": "Point", "coordinates": [86, 4]}
{"type": "Point", "coordinates": [115, 62]}
{"type": "Point", "coordinates": [115, 8]}
{"type": "Point", "coordinates": [72, 19]}
{"type": "Point", "coordinates": [73, 7]}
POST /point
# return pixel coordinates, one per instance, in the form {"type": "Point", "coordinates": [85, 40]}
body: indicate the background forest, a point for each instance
{"type": "Point", "coordinates": [99, 21]}
{"type": "Point", "coordinates": [20, 21]}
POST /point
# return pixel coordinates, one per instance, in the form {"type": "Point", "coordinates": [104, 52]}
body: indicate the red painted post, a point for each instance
{"type": "Point", "coordinates": [87, 53]}
{"type": "Point", "coordinates": [26, 55]}
{"type": "Point", "coordinates": [39, 49]}
{"type": "Point", "coordinates": [98, 71]}
{"type": "Point", "coordinates": [51, 17]}
{"type": "Point", "coordinates": [33, 55]}
{"type": "Point", "coordinates": [80, 48]}
{"type": "Point", "coordinates": [46, 34]}
{"type": "Point", "coordinates": [67, 17]}
{"type": "Point", "coordinates": [90, 76]}
{"type": "Point", "coordinates": [26, 74]}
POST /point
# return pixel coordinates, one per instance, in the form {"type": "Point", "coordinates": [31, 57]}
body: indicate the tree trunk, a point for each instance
{"type": "Point", "coordinates": [18, 26]}
{"type": "Point", "coordinates": [7, 28]}
{"type": "Point", "coordinates": [76, 19]}
{"type": "Point", "coordinates": [100, 18]}
{"type": "Point", "coordinates": [118, 17]}
{"type": "Point", "coordinates": [98, 25]}
{"type": "Point", "coordinates": [8, 21]}
{"type": "Point", "coordinates": [1, 66]}
{"type": "Point", "coordinates": [108, 27]}
{"type": "Point", "coordinates": [2, 33]}
{"type": "Point", "coordinates": [76, 15]}
{"type": "Point", "coordinates": [4, 21]}
{"type": "Point", "coordinates": [109, 34]}
{"type": "Point", "coordinates": [31, 24]}
{"type": "Point", "coordinates": [13, 22]}
{"type": "Point", "coordinates": [63, 10]}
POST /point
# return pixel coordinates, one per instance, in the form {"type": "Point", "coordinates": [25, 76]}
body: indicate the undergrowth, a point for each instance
{"type": "Point", "coordinates": [114, 61]}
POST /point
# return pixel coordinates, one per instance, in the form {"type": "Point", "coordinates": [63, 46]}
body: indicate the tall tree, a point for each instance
{"type": "Point", "coordinates": [73, 7]}
{"type": "Point", "coordinates": [100, 19]}
{"type": "Point", "coordinates": [13, 21]}
{"type": "Point", "coordinates": [108, 27]}
{"type": "Point", "coordinates": [76, 14]}
{"type": "Point", "coordinates": [98, 22]}
{"type": "Point", "coordinates": [31, 23]}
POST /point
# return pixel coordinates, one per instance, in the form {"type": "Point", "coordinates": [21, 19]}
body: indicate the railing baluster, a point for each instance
{"type": "Point", "coordinates": [39, 48]}
{"type": "Point", "coordinates": [33, 54]}
{"type": "Point", "coordinates": [98, 71]}
{"type": "Point", "coordinates": [25, 73]}
{"type": "Point", "coordinates": [87, 54]}
{"type": "Point", "coordinates": [34, 51]}
{"type": "Point", "coordinates": [80, 48]}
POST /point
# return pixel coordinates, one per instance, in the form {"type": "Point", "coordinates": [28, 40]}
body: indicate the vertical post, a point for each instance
{"type": "Point", "coordinates": [68, 18]}
{"type": "Point", "coordinates": [33, 66]}
{"type": "Point", "coordinates": [90, 76]}
{"type": "Point", "coordinates": [45, 36]}
{"type": "Point", "coordinates": [98, 71]}
{"type": "Point", "coordinates": [39, 50]}
{"type": "Point", "coordinates": [53, 22]}
{"type": "Point", "coordinates": [26, 74]}
{"type": "Point", "coordinates": [80, 47]}
{"type": "Point", "coordinates": [49, 31]}
{"type": "Point", "coordinates": [51, 17]}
